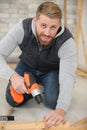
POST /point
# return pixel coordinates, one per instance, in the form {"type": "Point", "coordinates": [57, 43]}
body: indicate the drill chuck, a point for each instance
{"type": "Point", "coordinates": [35, 92]}
{"type": "Point", "coordinates": [37, 95]}
{"type": "Point", "coordinates": [38, 98]}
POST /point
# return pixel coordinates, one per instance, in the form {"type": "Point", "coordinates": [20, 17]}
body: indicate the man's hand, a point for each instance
{"type": "Point", "coordinates": [18, 84]}
{"type": "Point", "coordinates": [54, 118]}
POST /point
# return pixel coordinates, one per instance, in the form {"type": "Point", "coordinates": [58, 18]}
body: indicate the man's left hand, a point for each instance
{"type": "Point", "coordinates": [54, 118]}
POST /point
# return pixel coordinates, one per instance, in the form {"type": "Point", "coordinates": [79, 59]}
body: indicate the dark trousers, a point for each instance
{"type": "Point", "coordinates": [49, 80]}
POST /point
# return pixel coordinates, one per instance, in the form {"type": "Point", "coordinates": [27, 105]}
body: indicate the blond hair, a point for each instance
{"type": "Point", "coordinates": [50, 10]}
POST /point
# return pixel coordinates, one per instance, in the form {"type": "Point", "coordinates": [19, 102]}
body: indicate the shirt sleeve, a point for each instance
{"type": "Point", "coordinates": [67, 73]}
{"type": "Point", "coordinates": [7, 45]}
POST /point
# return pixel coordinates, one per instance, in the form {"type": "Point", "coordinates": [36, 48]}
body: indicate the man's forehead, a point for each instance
{"type": "Point", "coordinates": [48, 21]}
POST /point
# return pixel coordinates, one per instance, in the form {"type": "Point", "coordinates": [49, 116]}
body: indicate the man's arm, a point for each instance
{"type": "Point", "coordinates": [67, 54]}
{"type": "Point", "coordinates": [68, 64]}
{"type": "Point", "coordinates": [7, 46]}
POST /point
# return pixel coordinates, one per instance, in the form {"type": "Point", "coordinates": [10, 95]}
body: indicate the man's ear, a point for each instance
{"type": "Point", "coordinates": [34, 19]}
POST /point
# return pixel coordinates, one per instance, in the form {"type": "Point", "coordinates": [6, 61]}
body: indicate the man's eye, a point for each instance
{"type": "Point", "coordinates": [53, 27]}
{"type": "Point", "coordinates": [43, 26]}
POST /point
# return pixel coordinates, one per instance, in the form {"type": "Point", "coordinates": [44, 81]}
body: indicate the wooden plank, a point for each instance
{"type": "Point", "coordinates": [65, 12]}
{"type": "Point", "coordinates": [84, 45]}
{"type": "Point", "coordinates": [37, 126]}
{"type": "Point", "coordinates": [10, 111]}
{"type": "Point", "coordinates": [79, 20]}
{"type": "Point", "coordinates": [81, 122]}
{"type": "Point", "coordinates": [12, 65]}
{"type": "Point", "coordinates": [81, 72]}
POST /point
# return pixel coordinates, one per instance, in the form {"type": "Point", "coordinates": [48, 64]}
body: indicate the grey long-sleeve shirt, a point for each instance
{"type": "Point", "coordinates": [66, 53]}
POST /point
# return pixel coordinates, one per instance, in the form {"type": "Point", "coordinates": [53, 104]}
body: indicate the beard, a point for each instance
{"type": "Point", "coordinates": [44, 39]}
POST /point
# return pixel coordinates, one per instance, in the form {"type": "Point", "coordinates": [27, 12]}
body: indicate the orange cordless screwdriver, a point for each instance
{"type": "Point", "coordinates": [31, 85]}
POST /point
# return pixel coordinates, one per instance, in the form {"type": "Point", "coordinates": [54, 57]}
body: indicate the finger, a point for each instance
{"type": "Point", "coordinates": [25, 89]}
{"type": "Point", "coordinates": [48, 116]}
{"type": "Point", "coordinates": [21, 89]}
{"type": "Point", "coordinates": [58, 122]}
{"type": "Point", "coordinates": [51, 121]}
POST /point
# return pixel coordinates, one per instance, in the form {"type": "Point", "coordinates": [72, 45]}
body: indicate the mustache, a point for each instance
{"type": "Point", "coordinates": [48, 36]}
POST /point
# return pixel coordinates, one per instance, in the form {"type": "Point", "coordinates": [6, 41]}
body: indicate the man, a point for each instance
{"type": "Point", "coordinates": [49, 53]}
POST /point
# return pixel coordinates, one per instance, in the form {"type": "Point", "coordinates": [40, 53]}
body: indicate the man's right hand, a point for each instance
{"type": "Point", "coordinates": [18, 84]}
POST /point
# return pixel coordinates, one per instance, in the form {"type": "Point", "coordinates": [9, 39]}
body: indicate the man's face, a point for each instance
{"type": "Point", "coordinates": [46, 28]}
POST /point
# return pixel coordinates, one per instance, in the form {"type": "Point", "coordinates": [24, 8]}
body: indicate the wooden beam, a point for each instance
{"type": "Point", "coordinates": [84, 45]}
{"type": "Point", "coordinates": [65, 12]}
{"type": "Point", "coordinates": [38, 126]}
{"type": "Point", "coordinates": [79, 31]}
{"type": "Point", "coordinates": [10, 111]}
{"type": "Point", "coordinates": [81, 72]}
{"type": "Point", "coordinates": [79, 21]}
{"type": "Point", "coordinates": [82, 121]}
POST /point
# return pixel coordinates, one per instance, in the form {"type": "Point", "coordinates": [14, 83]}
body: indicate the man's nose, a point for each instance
{"type": "Point", "coordinates": [47, 31]}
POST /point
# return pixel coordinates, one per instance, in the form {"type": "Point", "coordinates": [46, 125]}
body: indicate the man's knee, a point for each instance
{"type": "Point", "coordinates": [51, 103]}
